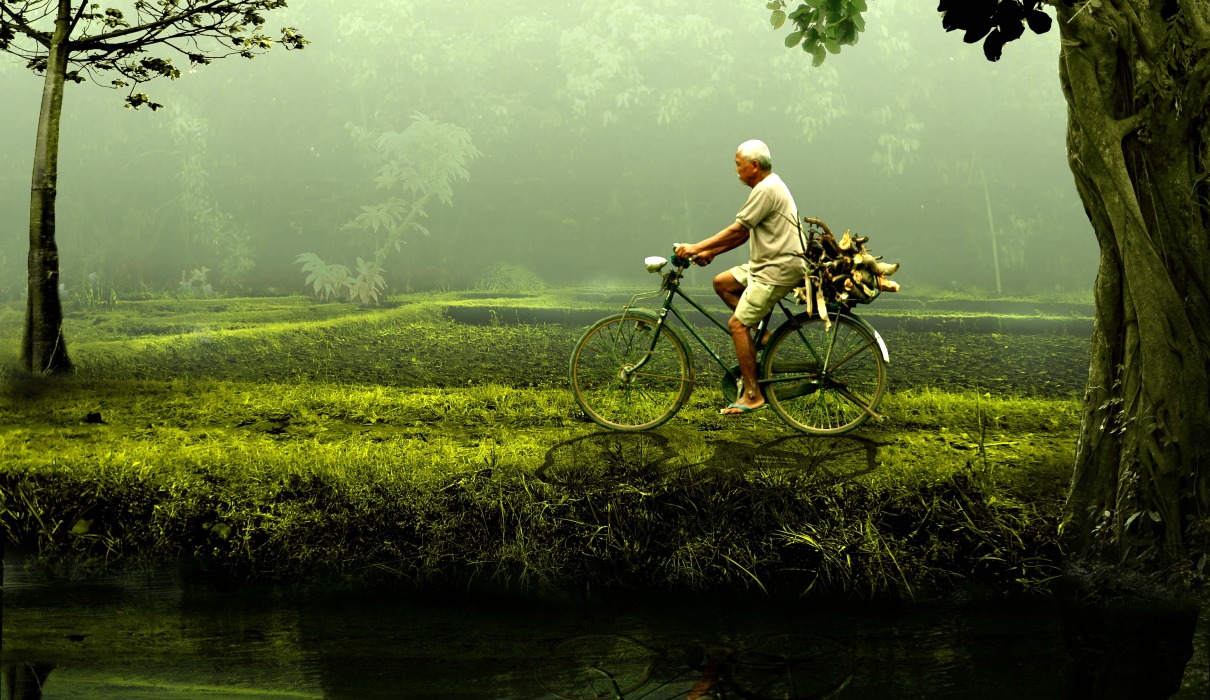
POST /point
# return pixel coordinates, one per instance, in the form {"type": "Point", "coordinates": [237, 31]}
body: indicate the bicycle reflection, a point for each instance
{"type": "Point", "coordinates": [611, 666]}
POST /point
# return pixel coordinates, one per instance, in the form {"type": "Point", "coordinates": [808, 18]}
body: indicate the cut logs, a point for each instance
{"type": "Point", "coordinates": [842, 272]}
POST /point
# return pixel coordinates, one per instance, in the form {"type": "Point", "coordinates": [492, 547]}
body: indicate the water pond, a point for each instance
{"type": "Point", "coordinates": [165, 635]}
{"type": "Point", "coordinates": [161, 635]}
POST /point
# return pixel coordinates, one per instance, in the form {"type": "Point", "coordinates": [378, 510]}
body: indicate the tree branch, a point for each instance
{"type": "Point", "coordinates": [105, 52]}
{"type": "Point", "coordinates": [1128, 125]}
{"type": "Point", "coordinates": [1136, 28]}
{"type": "Point", "coordinates": [76, 20]}
{"type": "Point", "coordinates": [23, 54]}
{"type": "Point", "coordinates": [18, 21]}
{"type": "Point", "coordinates": [102, 40]}
{"type": "Point", "coordinates": [1102, 133]}
{"type": "Point", "coordinates": [1197, 89]}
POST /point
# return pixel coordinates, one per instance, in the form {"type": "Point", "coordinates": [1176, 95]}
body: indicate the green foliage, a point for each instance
{"type": "Point", "coordinates": [426, 158]}
{"type": "Point", "coordinates": [289, 428]}
{"type": "Point", "coordinates": [421, 162]}
{"type": "Point", "coordinates": [211, 234]}
{"type": "Point", "coordinates": [823, 26]}
{"type": "Point", "coordinates": [194, 285]}
{"type": "Point", "coordinates": [638, 58]}
{"type": "Point", "coordinates": [292, 480]}
{"type": "Point", "coordinates": [367, 284]}
{"type": "Point", "coordinates": [511, 278]}
{"type": "Point", "coordinates": [326, 279]}
{"type": "Point", "coordinates": [107, 41]}
{"type": "Point", "coordinates": [96, 293]}
{"type": "Point", "coordinates": [384, 216]}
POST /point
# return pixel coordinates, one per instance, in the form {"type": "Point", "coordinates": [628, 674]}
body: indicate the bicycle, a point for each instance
{"type": "Point", "coordinates": [611, 666]}
{"type": "Point", "coordinates": [823, 374]}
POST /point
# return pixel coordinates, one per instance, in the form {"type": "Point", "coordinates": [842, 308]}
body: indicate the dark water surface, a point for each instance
{"type": "Point", "coordinates": [161, 635]}
{"type": "Point", "coordinates": [157, 635]}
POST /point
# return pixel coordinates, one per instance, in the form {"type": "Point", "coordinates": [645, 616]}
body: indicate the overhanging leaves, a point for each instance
{"type": "Point", "coordinates": [995, 22]}
{"type": "Point", "coordinates": [139, 45]}
{"type": "Point", "coordinates": [821, 26]}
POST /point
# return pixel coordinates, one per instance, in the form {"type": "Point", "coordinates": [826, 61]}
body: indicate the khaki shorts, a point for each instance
{"type": "Point", "coordinates": [758, 298]}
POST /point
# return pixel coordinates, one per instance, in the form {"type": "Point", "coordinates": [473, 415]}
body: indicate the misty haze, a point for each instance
{"type": "Point", "coordinates": [456, 349]}
{"type": "Point", "coordinates": [603, 133]}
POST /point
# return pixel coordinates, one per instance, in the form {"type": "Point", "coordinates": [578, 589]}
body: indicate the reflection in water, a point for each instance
{"type": "Point", "coordinates": [1129, 649]}
{"type": "Point", "coordinates": [596, 665]}
{"type": "Point", "coordinates": [792, 666]}
{"type": "Point", "coordinates": [160, 636]}
{"type": "Point", "coordinates": [151, 635]}
{"type": "Point", "coordinates": [23, 681]}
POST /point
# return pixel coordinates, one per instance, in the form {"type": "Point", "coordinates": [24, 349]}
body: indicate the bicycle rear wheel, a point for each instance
{"type": "Point", "coordinates": [821, 393]}
{"type": "Point", "coordinates": [596, 667]}
{"type": "Point", "coordinates": [611, 385]}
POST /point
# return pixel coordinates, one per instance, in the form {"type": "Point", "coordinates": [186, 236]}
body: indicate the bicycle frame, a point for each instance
{"type": "Point", "coordinates": [670, 288]}
{"type": "Point", "coordinates": [823, 374]}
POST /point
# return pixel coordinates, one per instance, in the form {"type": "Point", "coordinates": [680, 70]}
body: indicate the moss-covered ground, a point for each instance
{"type": "Point", "coordinates": [424, 444]}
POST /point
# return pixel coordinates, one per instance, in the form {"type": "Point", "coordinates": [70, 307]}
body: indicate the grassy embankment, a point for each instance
{"type": "Point", "coordinates": [287, 438]}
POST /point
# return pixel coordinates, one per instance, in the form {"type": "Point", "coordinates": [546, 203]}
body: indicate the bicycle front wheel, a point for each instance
{"type": "Point", "coordinates": [824, 382]}
{"type": "Point", "coordinates": [626, 377]}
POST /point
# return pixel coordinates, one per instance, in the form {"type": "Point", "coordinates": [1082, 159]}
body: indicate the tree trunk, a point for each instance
{"type": "Point", "coordinates": [43, 349]}
{"type": "Point", "coordinates": [23, 681]}
{"type": "Point", "coordinates": [1135, 74]}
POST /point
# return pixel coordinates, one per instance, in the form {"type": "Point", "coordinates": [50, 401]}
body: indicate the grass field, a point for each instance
{"type": "Point", "coordinates": [286, 438]}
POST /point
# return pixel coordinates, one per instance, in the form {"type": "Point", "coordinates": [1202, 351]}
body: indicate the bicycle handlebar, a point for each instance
{"type": "Point", "coordinates": [677, 260]}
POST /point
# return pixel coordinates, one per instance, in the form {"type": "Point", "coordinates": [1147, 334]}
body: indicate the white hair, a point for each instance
{"type": "Point", "coordinates": [757, 151]}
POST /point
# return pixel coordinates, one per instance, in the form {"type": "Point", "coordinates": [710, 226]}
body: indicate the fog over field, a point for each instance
{"type": "Point", "coordinates": [560, 143]}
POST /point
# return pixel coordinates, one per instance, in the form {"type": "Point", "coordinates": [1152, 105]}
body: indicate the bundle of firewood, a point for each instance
{"type": "Point", "coordinates": [842, 272]}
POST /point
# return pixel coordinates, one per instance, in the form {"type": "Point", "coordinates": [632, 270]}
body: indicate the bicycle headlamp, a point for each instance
{"type": "Point", "coordinates": [655, 263]}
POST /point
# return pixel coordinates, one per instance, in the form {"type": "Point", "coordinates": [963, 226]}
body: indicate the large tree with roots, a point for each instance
{"type": "Point", "coordinates": [1136, 78]}
{"type": "Point", "coordinates": [78, 40]}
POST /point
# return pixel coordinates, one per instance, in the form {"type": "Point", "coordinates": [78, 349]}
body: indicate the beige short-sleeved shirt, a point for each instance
{"type": "Point", "coordinates": [771, 218]}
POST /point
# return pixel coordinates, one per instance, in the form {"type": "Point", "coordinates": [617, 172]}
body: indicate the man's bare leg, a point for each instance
{"type": "Point", "coordinates": [730, 290]}
{"type": "Point", "coordinates": [745, 352]}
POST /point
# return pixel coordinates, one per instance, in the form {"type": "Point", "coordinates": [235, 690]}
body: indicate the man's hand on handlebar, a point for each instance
{"type": "Point", "coordinates": [695, 254]}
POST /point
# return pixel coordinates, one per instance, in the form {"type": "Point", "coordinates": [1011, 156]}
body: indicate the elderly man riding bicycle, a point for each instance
{"type": "Point", "coordinates": [768, 221]}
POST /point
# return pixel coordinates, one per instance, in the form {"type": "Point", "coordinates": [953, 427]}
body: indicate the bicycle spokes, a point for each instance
{"type": "Point", "coordinates": [824, 381]}
{"type": "Point", "coordinates": [628, 372]}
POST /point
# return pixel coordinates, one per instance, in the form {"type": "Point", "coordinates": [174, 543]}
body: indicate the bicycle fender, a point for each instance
{"type": "Point", "coordinates": [886, 357]}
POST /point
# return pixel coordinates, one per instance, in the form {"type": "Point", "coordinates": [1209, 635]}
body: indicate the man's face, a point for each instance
{"type": "Point", "coordinates": [747, 170]}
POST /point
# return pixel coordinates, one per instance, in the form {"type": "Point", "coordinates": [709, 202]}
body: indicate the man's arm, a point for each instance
{"type": "Point", "coordinates": [729, 238]}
